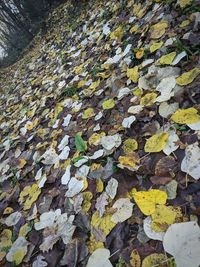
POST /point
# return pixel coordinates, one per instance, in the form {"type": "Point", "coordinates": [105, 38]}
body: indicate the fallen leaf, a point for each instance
{"type": "Point", "coordinates": [18, 250]}
{"type": "Point", "coordinates": [147, 200]}
{"type": "Point", "coordinates": [133, 74]}
{"type": "Point", "coordinates": [111, 188]}
{"type": "Point", "coordinates": [80, 144]}
{"type": "Point", "coordinates": [155, 46]}
{"type": "Point", "coordinates": [191, 162]}
{"type": "Point", "coordinates": [182, 240]}
{"type": "Point", "coordinates": [108, 104]}
{"type": "Point", "coordinates": [124, 210]}
{"type": "Point", "coordinates": [155, 259]}
{"type": "Point", "coordinates": [100, 257]}
{"type": "Point", "coordinates": [156, 143]}
{"type": "Point", "coordinates": [167, 59]}
{"type": "Point", "coordinates": [188, 77]}
{"type": "Point", "coordinates": [135, 260]}
{"type": "Point", "coordinates": [186, 116]}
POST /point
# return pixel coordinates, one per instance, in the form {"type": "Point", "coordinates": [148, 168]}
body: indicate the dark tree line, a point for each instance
{"type": "Point", "coordinates": [19, 21]}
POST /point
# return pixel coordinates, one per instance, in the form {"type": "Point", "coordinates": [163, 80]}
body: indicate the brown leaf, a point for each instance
{"type": "Point", "coordinates": [166, 166]}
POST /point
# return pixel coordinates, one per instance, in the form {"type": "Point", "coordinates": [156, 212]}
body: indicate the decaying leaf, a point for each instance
{"type": "Point", "coordinates": [182, 240]}
{"type": "Point", "coordinates": [124, 210]}
{"type": "Point", "coordinates": [191, 162]}
{"type": "Point", "coordinates": [99, 257]}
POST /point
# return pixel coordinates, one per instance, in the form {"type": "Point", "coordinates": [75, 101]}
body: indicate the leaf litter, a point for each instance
{"type": "Point", "coordinates": [99, 139]}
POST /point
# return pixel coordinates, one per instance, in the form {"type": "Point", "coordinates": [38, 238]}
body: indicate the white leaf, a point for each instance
{"type": "Point", "coordinates": [65, 153]}
{"type": "Point", "coordinates": [20, 244]}
{"type": "Point", "coordinates": [124, 210]}
{"type": "Point", "coordinates": [135, 109]}
{"type": "Point", "coordinates": [67, 120]}
{"type": "Point", "coordinates": [82, 171]}
{"type": "Point", "coordinates": [65, 228]}
{"type": "Point", "coordinates": [64, 142]}
{"type": "Point", "coordinates": [106, 29]}
{"type": "Point", "coordinates": [150, 232]}
{"type": "Point", "coordinates": [111, 188]}
{"type": "Point", "coordinates": [99, 258]}
{"type": "Point", "coordinates": [74, 187]}
{"type": "Point", "coordinates": [97, 154]}
{"type": "Point", "coordinates": [191, 162]}
{"type": "Point", "coordinates": [123, 92]}
{"type": "Point", "coordinates": [81, 161]}
{"type": "Point", "coordinates": [111, 141]}
{"type": "Point", "coordinates": [47, 219]}
{"type": "Point", "coordinates": [39, 262]}
{"type": "Point", "coordinates": [42, 181]}
{"type": "Point", "coordinates": [170, 144]}
{"type": "Point", "coordinates": [127, 122]}
{"type": "Point", "coordinates": [165, 87]}
{"type": "Point", "coordinates": [13, 218]}
{"type": "Point", "coordinates": [182, 240]}
{"type": "Point", "coordinates": [178, 58]}
{"type": "Point", "coordinates": [194, 126]}
{"type": "Point", "coordinates": [50, 157]}
{"type": "Point", "coordinates": [98, 116]}
{"type": "Point", "coordinates": [66, 176]}
{"type": "Point", "coordinates": [165, 109]}
{"type": "Point", "coordinates": [38, 174]}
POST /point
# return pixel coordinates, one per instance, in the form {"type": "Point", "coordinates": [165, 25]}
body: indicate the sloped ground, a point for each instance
{"type": "Point", "coordinates": [99, 139]}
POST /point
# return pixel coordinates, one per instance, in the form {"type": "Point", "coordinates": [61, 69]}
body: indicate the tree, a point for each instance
{"type": "Point", "coordinates": [19, 21]}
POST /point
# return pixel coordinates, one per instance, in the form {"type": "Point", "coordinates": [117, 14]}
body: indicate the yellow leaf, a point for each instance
{"type": "Point", "coordinates": [117, 34]}
{"type": "Point", "coordinates": [24, 230]}
{"type": "Point", "coordinates": [148, 99]}
{"type": "Point", "coordinates": [186, 116]}
{"type": "Point", "coordinates": [157, 30]}
{"type": "Point", "coordinates": [130, 145]}
{"type": "Point", "coordinates": [22, 163]}
{"type": "Point", "coordinates": [130, 161]}
{"type": "Point", "coordinates": [5, 239]}
{"type": "Point", "coordinates": [167, 59]}
{"type": "Point", "coordinates": [18, 256]}
{"type": "Point", "coordinates": [103, 223]}
{"type": "Point", "coordinates": [135, 260]}
{"type": "Point", "coordinates": [95, 138]}
{"type": "Point", "coordinates": [87, 197]}
{"type": "Point", "coordinates": [85, 183]}
{"type": "Point", "coordinates": [94, 85]}
{"type": "Point", "coordinates": [133, 74]}
{"type": "Point", "coordinates": [88, 113]}
{"type": "Point", "coordinates": [81, 83]}
{"type": "Point", "coordinates": [29, 195]}
{"type": "Point", "coordinates": [134, 28]}
{"type": "Point", "coordinates": [103, 75]}
{"type": "Point", "coordinates": [108, 104]}
{"type": "Point", "coordinates": [184, 3]}
{"type": "Point", "coordinates": [162, 218]}
{"type": "Point", "coordinates": [156, 143]}
{"type": "Point", "coordinates": [155, 46]}
{"type": "Point", "coordinates": [57, 110]}
{"type": "Point", "coordinates": [155, 259]}
{"type": "Point", "coordinates": [184, 23]}
{"type": "Point", "coordinates": [8, 210]}
{"type": "Point", "coordinates": [147, 200]}
{"type": "Point", "coordinates": [139, 54]}
{"type": "Point", "coordinates": [100, 186]}
{"type": "Point", "coordinates": [93, 244]}
{"type": "Point", "coordinates": [188, 77]}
